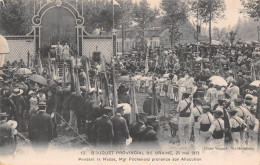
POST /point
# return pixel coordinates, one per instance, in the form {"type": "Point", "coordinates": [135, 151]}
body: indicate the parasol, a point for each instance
{"type": "Point", "coordinates": [166, 75]}
{"type": "Point", "coordinates": [198, 59]}
{"type": "Point", "coordinates": [216, 43]}
{"type": "Point", "coordinates": [4, 50]}
{"type": "Point", "coordinates": [222, 61]}
{"type": "Point", "coordinates": [126, 79]}
{"type": "Point", "coordinates": [126, 107]}
{"type": "Point", "coordinates": [255, 83]}
{"type": "Point", "coordinates": [23, 71]}
{"type": "Point", "coordinates": [39, 79]}
{"type": "Point", "coordinates": [217, 80]}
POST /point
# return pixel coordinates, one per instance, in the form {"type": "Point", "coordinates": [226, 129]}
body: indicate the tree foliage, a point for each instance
{"type": "Point", "coordinates": [175, 13]}
{"type": "Point", "coordinates": [15, 17]}
{"type": "Point", "coordinates": [209, 10]}
{"type": "Point", "coordinates": [252, 8]}
{"type": "Point", "coordinates": [143, 14]}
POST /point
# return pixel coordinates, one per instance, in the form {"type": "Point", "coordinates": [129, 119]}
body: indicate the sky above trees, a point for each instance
{"type": "Point", "coordinates": [231, 15]}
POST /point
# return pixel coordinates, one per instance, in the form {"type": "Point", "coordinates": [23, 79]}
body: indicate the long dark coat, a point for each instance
{"type": "Point", "coordinates": [40, 129]}
{"type": "Point", "coordinates": [121, 132]}
{"type": "Point", "coordinates": [104, 131]}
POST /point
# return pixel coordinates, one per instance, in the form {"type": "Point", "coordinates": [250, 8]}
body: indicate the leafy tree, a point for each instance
{"type": "Point", "coordinates": [143, 15]}
{"type": "Point", "coordinates": [15, 17]}
{"type": "Point", "coordinates": [252, 8]}
{"type": "Point", "coordinates": [209, 10]}
{"type": "Point", "coordinates": [231, 36]}
{"type": "Point", "coordinates": [126, 8]}
{"type": "Point", "coordinates": [99, 14]}
{"type": "Point", "coordinates": [175, 14]}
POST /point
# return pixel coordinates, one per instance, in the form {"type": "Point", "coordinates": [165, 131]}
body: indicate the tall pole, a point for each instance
{"type": "Point", "coordinates": [112, 61]}
{"type": "Point", "coordinates": [197, 27]}
{"type": "Point", "coordinates": [82, 7]}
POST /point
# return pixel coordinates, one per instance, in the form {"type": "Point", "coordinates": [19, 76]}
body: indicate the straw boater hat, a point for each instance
{"type": "Point", "coordinates": [17, 92]}
{"type": "Point", "coordinates": [12, 123]}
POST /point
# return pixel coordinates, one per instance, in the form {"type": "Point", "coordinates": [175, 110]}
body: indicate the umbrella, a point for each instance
{"type": "Point", "coordinates": [198, 59]}
{"type": "Point", "coordinates": [166, 75]}
{"type": "Point", "coordinates": [39, 79]}
{"type": "Point", "coordinates": [214, 42]}
{"type": "Point", "coordinates": [1, 72]}
{"type": "Point", "coordinates": [217, 80]}
{"type": "Point", "coordinates": [222, 61]}
{"type": "Point", "coordinates": [23, 71]}
{"type": "Point", "coordinates": [126, 79]}
{"type": "Point", "coordinates": [255, 83]}
{"type": "Point", "coordinates": [138, 77]}
{"type": "Point", "coordinates": [220, 56]}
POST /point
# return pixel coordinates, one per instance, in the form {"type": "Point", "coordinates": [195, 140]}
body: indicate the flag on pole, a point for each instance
{"type": "Point", "coordinates": [253, 75]}
{"type": "Point", "coordinates": [134, 108]}
{"type": "Point", "coordinates": [234, 71]}
{"type": "Point", "coordinates": [154, 100]}
{"type": "Point", "coordinates": [115, 97]}
{"type": "Point", "coordinates": [115, 3]}
{"type": "Point", "coordinates": [258, 114]}
{"type": "Point", "coordinates": [146, 63]}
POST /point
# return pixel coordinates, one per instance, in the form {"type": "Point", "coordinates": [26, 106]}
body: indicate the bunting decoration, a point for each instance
{"type": "Point", "coordinates": [253, 75]}
{"type": "Point", "coordinates": [258, 114]}
{"type": "Point", "coordinates": [154, 100]}
{"type": "Point", "coordinates": [115, 97]}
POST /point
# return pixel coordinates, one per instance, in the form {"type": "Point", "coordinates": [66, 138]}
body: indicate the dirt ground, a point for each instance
{"type": "Point", "coordinates": [69, 139]}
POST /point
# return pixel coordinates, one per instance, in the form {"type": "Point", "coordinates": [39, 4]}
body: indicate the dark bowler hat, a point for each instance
{"type": "Point", "coordinates": [218, 112]}
{"type": "Point", "coordinates": [42, 105]}
{"type": "Point", "coordinates": [108, 109]}
{"type": "Point", "coordinates": [142, 113]}
{"type": "Point", "coordinates": [239, 100]}
{"type": "Point", "coordinates": [233, 111]}
{"type": "Point", "coordinates": [206, 107]}
{"type": "Point", "coordinates": [4, 114]}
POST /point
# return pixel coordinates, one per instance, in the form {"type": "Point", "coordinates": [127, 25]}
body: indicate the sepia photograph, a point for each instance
{"type": "Point", "coordinates": [129, 82]}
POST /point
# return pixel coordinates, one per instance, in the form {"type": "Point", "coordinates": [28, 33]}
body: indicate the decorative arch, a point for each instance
{"type": "Point", "coordinates": [36, 20]}
{"type": "Point", "coordinates": [37, 23]}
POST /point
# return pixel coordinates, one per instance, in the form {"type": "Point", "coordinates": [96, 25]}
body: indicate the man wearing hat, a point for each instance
{"type": "Point", "coordinates": [147, 106]}
{"type": "Point", "coordinates": [137, 128]}
{"type": "Point", "coordinates": [103, 128]}
{"type": "Point", "coordinates": [237, 126]}
{"type": "Point", "coordinates": [204, 123]}
{"type": "Point", "coordinates": [40, 129]}
{"type": "Point", "coordinates": [217, 129]}
{"type": "Point", "coordinates": [182, 88]}
{"type": "Point", "coordinates": [19, 102]}
{"type": "Point", "coordinates": [242, 113]}
{"type": "Point", "coordinates": [121, 132]}
{"type": "Point", "coordinates": [211, 95]}
{"type": "Point", "coordinates": [7, 143]}
{"type": "Point", "coordinates": [196, 113]}
{"type": "Point", "coordinates": [253, 128]}
{"type": "Point", "coordinates": [233, 90]}
{"type": "Point", "coordinates": [7, 104]}
{"type": "Point", "coordinates": [184, 125]}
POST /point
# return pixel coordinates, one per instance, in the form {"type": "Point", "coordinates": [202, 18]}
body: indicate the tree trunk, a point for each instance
{"type": "Point", "coordinates": [171, 35]}
{"type": "Point", "coordinates": [210, 28]}
{"type": "Point", "coordinates": [123, 40]}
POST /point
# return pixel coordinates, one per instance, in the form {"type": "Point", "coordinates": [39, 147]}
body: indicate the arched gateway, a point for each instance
{"type": "Point", "coordinates": [58, 22]}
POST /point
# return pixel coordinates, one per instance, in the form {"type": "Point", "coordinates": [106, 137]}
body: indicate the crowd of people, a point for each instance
{"type": "Point", "coordinates": [210, 111]}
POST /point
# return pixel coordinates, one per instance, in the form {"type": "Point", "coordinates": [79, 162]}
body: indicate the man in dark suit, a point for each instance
{"type": "Point", "coordinates": [121, 132]}
{"type": "Point", "coordinates": [147, 106]}
{"type": "Point", "coordinates": [103, 129]}
{"type": "Point", "coordinates": [40, 129]}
